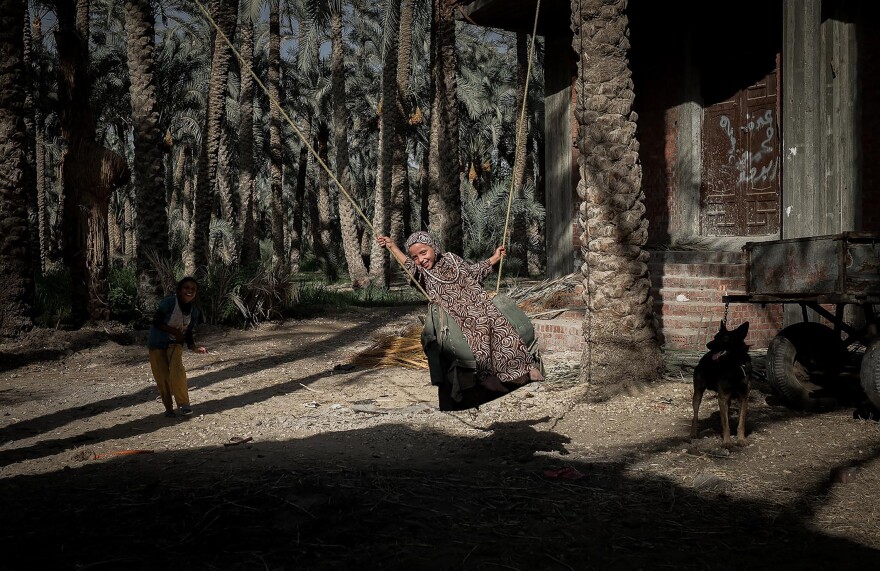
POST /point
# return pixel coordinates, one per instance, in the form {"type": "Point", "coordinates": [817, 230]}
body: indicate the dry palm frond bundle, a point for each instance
{"type": "Point", "coordinates": [548, 294]}
{"type": "Point", "coordinates": [404, 350]}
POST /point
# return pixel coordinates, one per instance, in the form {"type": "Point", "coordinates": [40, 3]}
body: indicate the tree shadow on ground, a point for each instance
{"type": "Point", "coordinates": [390, 497]}
{"type": "Point", "coordinates": [45, 423]}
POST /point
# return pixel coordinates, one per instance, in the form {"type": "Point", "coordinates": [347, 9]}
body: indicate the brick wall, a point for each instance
{"type": "Point", "coordinates": [687, 288]}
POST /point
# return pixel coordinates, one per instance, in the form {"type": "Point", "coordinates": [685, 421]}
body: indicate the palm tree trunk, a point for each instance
{"type": "Point", "coordinates": [90, 172]}
{"type": "Point", "coordinates": [129, 228]}
{"type": "Point", "coordinates": [357, 271]}
{"type": "Point", "coordinates": [443, 163]}
{"type": "Point", "coordinates": [16, 279]}
{"type": "Point", "coordinates": [387, 120]}
{"type": "Point", "coordinates": [424, 192]}
{"type": "Point", "coordinates": [298, 207]}
{"type": "Point", "coordinates": [274, 78]}
{"type": "Point", "coordinates": [29, 178]}
{"type": "Point", "coordinates": [246, 185]}
{"type": "Point", "coordinates": [224, 181]}
{"type": "Point", "coordinates": [186, 193]}
{"type": "Point", "coordinates": [519, 238]}
{"type": "Point", "coordinates": [114, 230]}
{"type": "Point", "coordinates": [620, 341]}
{"type": "Point", "coordinates": [537, 244]}
{"type": "Point", "coordinates": [224, 14]}
{"type": "Point", "coordinates": [152, 216]}
{"type": "Point", "coordinates": [324, 248]}
{"type": "Point", "coordinates": [400, 168]}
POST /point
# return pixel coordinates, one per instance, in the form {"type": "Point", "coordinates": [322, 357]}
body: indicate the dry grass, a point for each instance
{"type": "Point", "coordinates": [393, 350]}
{"type": "Point", "coordinates": [558, 293]}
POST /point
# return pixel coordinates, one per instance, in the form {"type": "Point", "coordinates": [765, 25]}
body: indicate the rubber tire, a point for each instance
{"type": "Point", "coordinates": [804, 349]}
{"type": "Point", "coordinates": [870, 373]}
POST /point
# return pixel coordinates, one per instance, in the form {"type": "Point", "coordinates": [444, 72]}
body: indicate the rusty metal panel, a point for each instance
{"type": "Point", "coordinates": [862, 266]}
{"type": "Point", "coordinates": [794, 267]}
{"type": "Point", "coordinates": [845, 264]}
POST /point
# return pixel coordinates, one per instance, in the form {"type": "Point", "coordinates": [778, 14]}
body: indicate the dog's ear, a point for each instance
{"type": "Point", "coordinates": [723, 327]}
{"type": "Point", "coordinates": [741, 331]}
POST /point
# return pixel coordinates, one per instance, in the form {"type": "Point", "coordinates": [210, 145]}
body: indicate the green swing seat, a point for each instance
{"type": "Point", "coordinates": [451, 362]}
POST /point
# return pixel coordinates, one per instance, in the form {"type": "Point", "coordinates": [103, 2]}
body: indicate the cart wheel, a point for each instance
{"type": "Point", "coordinates": [870, 373]}
{"type": "Point", "coordinates": [802, 360]}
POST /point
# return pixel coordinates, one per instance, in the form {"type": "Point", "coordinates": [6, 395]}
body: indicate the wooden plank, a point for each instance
{"type": "Point", "coordinates": [558, 163]}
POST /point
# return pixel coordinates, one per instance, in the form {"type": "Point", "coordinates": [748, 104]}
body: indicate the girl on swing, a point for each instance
{"type": "Point", "coordinates": [456, 286]}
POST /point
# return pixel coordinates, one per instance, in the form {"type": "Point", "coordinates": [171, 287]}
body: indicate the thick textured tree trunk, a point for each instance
{"type": "Point", "coordinates": [388, 116]}
{"type": "Point", "coordinates": [400, 203]}
{"type": "Point", "coordinates": [445, 192]}
{"type": "Point", "coordinates": [249, 247]}
{"type": "Point", "coordinates": [224, 14]}
{"type": "Point", "coordinates": [274, 78]}
{"type": "Point", "coordinates": [620, 341]}
{"type": "Point", "coordinates": [16, 279]}
{"type": "Point", "coordinates": [89, 171]}
{"type": "Point", "coordinates": [29, 178]}
{"type": "Point", "coordinates": [224, 178]}
{"type": "Point", "coordinates": [357, 271]}
{"type": "Point", "coordinates": [149, 147]}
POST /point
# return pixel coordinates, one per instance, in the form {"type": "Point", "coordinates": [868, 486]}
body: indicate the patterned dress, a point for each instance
{"type": "Point", "coordinates": [456, 286]}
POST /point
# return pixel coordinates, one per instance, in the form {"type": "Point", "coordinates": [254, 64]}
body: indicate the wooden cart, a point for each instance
{"type": "Point", "coordinates": [810, 362]}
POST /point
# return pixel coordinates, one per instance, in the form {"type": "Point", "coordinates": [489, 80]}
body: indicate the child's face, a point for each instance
{"type": "Point", "coordinates": [188, 292]}
{"type": "Point", "coordinates": [423, 255]}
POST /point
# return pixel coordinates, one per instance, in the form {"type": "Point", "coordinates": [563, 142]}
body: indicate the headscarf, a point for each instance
{"type": "Point", "coordinates": [422, 237]}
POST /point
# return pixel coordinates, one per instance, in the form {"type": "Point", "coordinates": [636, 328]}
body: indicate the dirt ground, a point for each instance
{"type": "Point", "coordinates": [292, 461]}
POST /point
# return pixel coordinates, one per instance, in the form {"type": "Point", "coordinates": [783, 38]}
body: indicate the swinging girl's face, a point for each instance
{"type": "Point", "coordinates": [423, 255]}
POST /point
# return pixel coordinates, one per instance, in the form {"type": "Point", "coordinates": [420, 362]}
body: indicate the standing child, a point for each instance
{"type": "Point", "coordinates": [173, 326]}
{"type": "Point", "coordinates": [456, 286]}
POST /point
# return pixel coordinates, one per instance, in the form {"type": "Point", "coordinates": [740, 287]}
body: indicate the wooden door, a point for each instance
{"type": "Point", "coordinates": [740, 190]}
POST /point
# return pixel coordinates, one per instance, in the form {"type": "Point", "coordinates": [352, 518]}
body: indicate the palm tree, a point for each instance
{"type": "Point", "coordinates": [90, 172]}
{"type": "Point", "coordinates": [621, 345]}
{"type": "Point", "coordinates": [40, 181]}
{"type": "Point", "coordinates": [357, 271]}
{"type": "Point", "coordinates": [400, 160]}
{"type": "Point", "coordinates": [182, 73]}
{"type": "Point", "coordinates": [443, 167]}
{"type": "Point", "coordinates": [149, 148]}
{"type": "Point", "coordinates": [30, 115]}
{"type": "Point", "coordinates": [273, 81]}
{"type": "Point", "coordinates": [16, 281]}
{"type": "Point", "coordinates": [223, 13]}
{"type": "Point", "coordinates": [388, 118]}
{"type": "Point", "coordinates": [520, 234]}
{"type": "Point", "coordinates": [246, 228]}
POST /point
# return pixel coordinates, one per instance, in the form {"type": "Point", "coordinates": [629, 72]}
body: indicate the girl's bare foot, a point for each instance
{"type": "Point", "coordinates": [535, 375]}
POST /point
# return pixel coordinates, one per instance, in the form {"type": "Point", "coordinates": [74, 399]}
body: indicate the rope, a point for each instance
{"type": "Point", "coordinates": [245, 65]}
{"type": "Point", "coordinates": [519, 137]}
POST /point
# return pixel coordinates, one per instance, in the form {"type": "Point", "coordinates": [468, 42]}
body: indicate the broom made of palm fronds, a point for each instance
{"type": "Point", "coordinates": [404, 350]}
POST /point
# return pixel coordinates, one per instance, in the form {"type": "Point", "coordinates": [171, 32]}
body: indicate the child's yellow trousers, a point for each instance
{"type": "Point", "coordinates": [167, 366]}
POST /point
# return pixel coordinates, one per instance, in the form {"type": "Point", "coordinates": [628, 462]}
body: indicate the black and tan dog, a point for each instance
{"type": "Point", "coordinates": [727, 370]}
